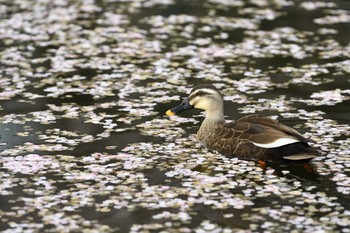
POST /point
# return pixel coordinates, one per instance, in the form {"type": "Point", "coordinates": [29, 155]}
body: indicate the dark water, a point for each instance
{"type": "Point", "coordinates": [85, 145]}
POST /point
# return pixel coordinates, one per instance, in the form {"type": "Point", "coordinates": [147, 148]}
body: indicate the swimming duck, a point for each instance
{"type": "Point", "coordinates": [252, 137]}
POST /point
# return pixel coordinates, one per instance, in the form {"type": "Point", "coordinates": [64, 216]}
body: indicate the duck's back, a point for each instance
{"type": "Point", "coordinates": [257, 138]}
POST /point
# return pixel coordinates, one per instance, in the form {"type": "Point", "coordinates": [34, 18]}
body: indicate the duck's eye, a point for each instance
{"type": "Point", "coordinates": [201, 93]}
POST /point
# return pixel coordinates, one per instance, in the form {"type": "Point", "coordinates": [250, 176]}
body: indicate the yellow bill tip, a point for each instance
{"type": "Point", "coordinates": [170, 113]}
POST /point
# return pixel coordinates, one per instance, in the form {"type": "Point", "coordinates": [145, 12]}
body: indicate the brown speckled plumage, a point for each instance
{"type": "Point", "coordinates": [237, 138]}
{"type": "Point", "coordinates": [252, 137]}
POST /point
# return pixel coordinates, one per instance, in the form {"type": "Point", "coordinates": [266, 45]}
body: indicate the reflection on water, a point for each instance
{"type": "Point", "coordinates": [85, 143]}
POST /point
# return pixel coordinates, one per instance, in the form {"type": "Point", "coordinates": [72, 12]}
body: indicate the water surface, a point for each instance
{"type": "Point", "coordinates": [85, 144]}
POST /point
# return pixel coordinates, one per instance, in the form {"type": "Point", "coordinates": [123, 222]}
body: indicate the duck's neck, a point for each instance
{"type": "Point", "coordinates": [216, 116]}
{"type": "Point", "coordinates": [213, 119]}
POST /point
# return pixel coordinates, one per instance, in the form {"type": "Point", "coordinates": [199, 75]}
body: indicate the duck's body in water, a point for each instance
{"type": "Point", "coordinates": [252, 137]}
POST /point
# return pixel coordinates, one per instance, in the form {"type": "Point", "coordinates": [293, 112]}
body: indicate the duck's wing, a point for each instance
{"type": "Point", "coordinates": [257, 137]}
{"type": "Point", "coordinates": [266, 121]}
{"type": "Point", "coordinates": [259, 134]}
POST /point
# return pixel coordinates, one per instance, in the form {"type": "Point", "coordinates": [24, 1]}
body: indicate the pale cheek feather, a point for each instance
{"type": "Point", "coordinates": [202, 104]}
{"type": "Point", "coordinates": [193, 101]}
{"type": "Point", "coordinates": [279, 142]}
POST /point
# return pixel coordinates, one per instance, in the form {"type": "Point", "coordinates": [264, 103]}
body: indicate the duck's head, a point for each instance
{"type": "Point", "coordinates": [205, 96]}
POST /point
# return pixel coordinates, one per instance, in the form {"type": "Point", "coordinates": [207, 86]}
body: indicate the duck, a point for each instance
{"type": "Point", "coordinates": [252, 137]}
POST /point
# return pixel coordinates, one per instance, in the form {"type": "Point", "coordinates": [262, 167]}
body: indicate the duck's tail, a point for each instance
{"type": "Point", "coordinates": [306, 155]}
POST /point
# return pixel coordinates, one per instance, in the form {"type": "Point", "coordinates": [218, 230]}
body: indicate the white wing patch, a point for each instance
{"type": "Point", "coordinates": [279, 142]}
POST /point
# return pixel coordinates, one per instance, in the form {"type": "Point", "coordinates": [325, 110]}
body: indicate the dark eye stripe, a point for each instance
{"type": "Point", "coordinates": [199, 93]}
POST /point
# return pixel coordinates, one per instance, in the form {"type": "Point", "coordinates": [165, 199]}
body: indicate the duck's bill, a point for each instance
{"type": "Point", "coordinates": [185, 105]}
